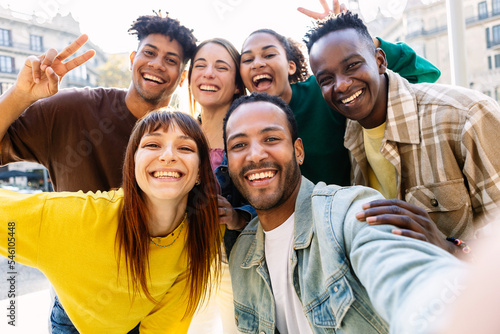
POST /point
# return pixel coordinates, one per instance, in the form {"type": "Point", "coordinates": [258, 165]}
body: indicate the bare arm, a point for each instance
{"type": "Point", "coordinates": [39, 78]}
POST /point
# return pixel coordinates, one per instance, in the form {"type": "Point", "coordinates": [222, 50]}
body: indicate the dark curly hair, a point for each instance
{"type": "Point", "coordinates": [293, 53]}
{"type": "Point", "coordinates": [262, 97]}
{"type": "Point", "coordinates": [156, 24]}
{"type": "Point", "coordinates": [332, 23]}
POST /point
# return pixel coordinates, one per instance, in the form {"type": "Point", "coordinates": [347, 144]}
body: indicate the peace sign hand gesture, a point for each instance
{"type": "Point", "coordinates": [337, 9]}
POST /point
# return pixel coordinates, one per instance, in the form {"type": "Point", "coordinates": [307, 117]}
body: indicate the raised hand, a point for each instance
{"type": "Point", "coordinates": [336, 9]}
{"type": "Point", "coordinates": [40, 76]}
{"type": "Point", "coordinates": [412, 221]}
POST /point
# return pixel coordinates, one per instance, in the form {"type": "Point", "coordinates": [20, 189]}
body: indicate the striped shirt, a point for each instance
{"type": "Point", "coordinates": [444, 142]}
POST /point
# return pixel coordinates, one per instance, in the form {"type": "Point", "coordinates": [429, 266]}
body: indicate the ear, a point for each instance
{"type": "Point", "coordinates": [132, 58]}
{"type": "Point", "coordinates": [381, 60]}
{"type": "Point", "coordinates": [292, 67]}
{"type": "Point", "coordinates": [299, 151]}
{"type": "Point", "coordinates": [184, 76]}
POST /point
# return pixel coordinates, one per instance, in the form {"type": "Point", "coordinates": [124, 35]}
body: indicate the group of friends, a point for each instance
{"type": "Point", "coordinates": [344, 201]}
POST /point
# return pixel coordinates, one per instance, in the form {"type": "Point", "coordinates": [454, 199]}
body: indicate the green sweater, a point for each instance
{"type": "Point", "coordinates": [322, 129]}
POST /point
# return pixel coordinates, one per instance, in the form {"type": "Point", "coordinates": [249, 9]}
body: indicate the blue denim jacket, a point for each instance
{"type": "Point", "coordinates": [350, 277]}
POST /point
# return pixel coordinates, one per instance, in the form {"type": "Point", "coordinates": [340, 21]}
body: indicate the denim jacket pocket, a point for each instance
{"type": "Point", "coordinates": [246, 319]}
{"type": "Point", "coordinates": [332, 305]}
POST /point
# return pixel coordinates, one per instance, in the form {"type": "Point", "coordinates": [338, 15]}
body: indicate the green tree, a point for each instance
{"type": "Point", "coordinates": [115, 72]}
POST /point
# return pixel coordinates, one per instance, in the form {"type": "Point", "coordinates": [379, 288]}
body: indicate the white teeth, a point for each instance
{"type": "Point", "coordinates": [259, 176]}
{"type": "Point", "coordinates": [261, 76]}
{"type": "Point", "coordinates": [168, 174]}
{"type": "Point", "coordinates": [352, 97]}
{"type": "Point", "coordinates": [153, 78]}
{"type": "Point", "coordinates": [209, 88]}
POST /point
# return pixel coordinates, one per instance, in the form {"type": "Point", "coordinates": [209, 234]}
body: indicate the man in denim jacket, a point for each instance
{"type": "Point", "coordinates": [306, 264]}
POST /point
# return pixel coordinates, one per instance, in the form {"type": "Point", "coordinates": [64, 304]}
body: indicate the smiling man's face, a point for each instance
{"type": "Point", "coordinates": [263, 159]}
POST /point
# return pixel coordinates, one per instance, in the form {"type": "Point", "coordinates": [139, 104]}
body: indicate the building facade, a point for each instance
{"type": "Point", "coordinates": [423, 26]}
{"type": "Point", "coordinates": [22, 35]}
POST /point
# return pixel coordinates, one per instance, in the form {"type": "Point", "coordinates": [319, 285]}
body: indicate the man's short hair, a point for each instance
{"type": "Point", "coordinates": [156, 24]}
{"type": "Point", "coordinates": [345, 20]}
{"type": "Point", "coordinates": [263, 97]}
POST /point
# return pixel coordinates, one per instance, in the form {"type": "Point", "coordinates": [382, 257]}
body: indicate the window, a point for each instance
{"type": "Point", "coordinates": [482, 10]}
{"type": "Point", "coordinates": [5, 37]}
{"type": "Point", "coordinates": [496, 35]}
{"type": "Point", "coordinates": [488, 39]}
{"type": "Point", "coordinates": [496, 6]}
{"type": "Point", "coordinates": [36, 43]}
{"type": "Point", "coordinates": [497, 61]}
{"type": "Point", "coordinates": [489, 63]}
{"type": "Point", "coordinates": [6, 64]}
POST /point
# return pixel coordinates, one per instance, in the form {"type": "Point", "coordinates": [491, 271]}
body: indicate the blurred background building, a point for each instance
{"type": "Point", "coordinates": [423, 25]}
{"type": "Point", "coordinates": [21, 35]}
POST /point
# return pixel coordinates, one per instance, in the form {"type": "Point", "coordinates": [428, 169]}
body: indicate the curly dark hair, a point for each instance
{"type": "Point", "coordinates": [262, 97]}
{"type": "Point", "coordinates": [156, 24]}
{"type": "Point", "coordinates": [293, 53]}
{"type": "Point", "coordinates": [332, 23]}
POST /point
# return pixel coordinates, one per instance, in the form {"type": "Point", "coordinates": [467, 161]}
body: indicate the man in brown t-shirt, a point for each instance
{"type": "Point", "coordinates": [80, 135]}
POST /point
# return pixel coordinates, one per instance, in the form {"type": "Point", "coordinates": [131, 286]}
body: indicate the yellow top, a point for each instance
{"type": "Point", "coordinates": [70, 237]}
{"type": "Point", "coordinates": [381, 173]}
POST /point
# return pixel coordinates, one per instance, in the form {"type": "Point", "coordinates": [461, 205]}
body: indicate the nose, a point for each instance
{"type": "Point", "coordinates": [157, 63]}
{"type": "Point", "coordinates": [258, 62]}
{"type": "Point", "coordinates": [167, 155]}
{"type": "Point", "coordinates": [342, 83]}
{"type": "Point", "coordinates": [256, 153]}
{"type": "Point", "coordinates": [209, 72]}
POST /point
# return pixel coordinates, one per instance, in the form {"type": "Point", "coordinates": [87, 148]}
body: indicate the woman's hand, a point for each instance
{"type": "Point", "coordinates": [229, 216]}
{"type": "Point", "coordinates": [336, 9]}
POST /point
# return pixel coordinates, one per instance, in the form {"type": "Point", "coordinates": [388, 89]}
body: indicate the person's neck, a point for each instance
{"type": "Point", "coordinates": [379, 112]}
{"type": "Point", "coordinates": [272, 218]}
{"type": "Point", "coordinates": [165, 217]}
{"type": "Point", "coordinates": [139, 107]}
{"type": "Point", "coordinates": [287, 94]}
{"type": "Point", "coordinates": [211, 124]}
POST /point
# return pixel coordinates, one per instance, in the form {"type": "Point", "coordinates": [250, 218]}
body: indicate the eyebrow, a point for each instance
{"type": "Point", "coordinates": [169, 52]}
{"type": "Point", "coordinates": [343, 61]}
{"type": "Point", "coordinates": [158, 134]}
{"type": "Point", "coordinates": [217, 61]}
{"type": "Point", "coordinates": [264, 130]}
{"type": "Point", "coordinates": [263, 48]}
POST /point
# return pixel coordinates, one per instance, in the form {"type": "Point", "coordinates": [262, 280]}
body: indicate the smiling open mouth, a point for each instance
{"type": "Point", "coordinates": [166, 175]}
{"type": "Point", "coordinates": [150, 77]}
{"type": "Point", "coordinates": [261, 176]}
{"type": "Point", "coordinates": [209, 88]}
{"type": "Point", "coordinates": [262, 80]}
{"type": "Point", "coordinates": [352, 97]}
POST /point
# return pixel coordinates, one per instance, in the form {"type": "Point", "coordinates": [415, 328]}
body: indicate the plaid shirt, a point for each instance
{"type": "Point", "coordinates": [444, 142]}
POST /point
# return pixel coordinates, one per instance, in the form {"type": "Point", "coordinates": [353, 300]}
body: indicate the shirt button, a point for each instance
{"type": "Point", "coordinates": [434, 202]}
{"type": "Point", "coordinates": [335, 289]}
{"type": "Point", "coordinates": [262, 332]}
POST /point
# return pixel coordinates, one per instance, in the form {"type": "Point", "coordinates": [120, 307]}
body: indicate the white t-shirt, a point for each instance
{"type": "Point", "coordinates": [290, 317]}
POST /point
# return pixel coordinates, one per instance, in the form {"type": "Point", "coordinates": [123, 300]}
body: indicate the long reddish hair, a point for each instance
{"type": "Point", "coordinates": [203, 237]}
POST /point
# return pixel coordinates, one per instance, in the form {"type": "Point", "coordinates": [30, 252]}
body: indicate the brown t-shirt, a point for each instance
{"type": "Point", "coordinates": [79, 135]}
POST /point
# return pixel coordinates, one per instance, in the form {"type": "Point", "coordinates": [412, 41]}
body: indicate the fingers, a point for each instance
{"type": "Point", "coordinates": [336, 7]}
{"type": "Point", "coordinates": [53, 80]}
{"type": "Point", "coordinates": [343, 8]}
{"type": "Point", "coordinates": [47, 58]}
{"type": "Point", "coordinates": [395, 202]}
{"type": "Point", "coordinates": [325, 5]}
{"type": "Point", "coordinates": [310, 13]}
{"type": "Point", "coordinates": [410, 234]}
{"type": "Point", "coordinates": [77, 61]}
{"type": "Point", "coordinates": [72, 48]}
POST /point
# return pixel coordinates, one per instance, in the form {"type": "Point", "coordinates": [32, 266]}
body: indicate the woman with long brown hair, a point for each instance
{"type": "Point", "coordinates": [144, 253]}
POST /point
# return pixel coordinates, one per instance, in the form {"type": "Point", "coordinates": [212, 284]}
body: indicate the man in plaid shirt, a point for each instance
{"type": "Point", "coordinates": [434, 149]}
